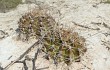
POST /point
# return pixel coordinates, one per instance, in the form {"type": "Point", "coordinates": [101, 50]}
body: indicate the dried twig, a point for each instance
{"type": "Point", "coordinates": [105, 25]}
{"type": "Point", "coordinates": [42, 68]}
{"type": "Point", "coordinates": [1, 68]}
{"type": "Point", "coordinates": [24, 63]}
{"type": "Point", "coordinates": [85, 26]}
{"type": "Point", "coordinates": [27, 51]}
{"type": "Point", "coordinates": [10, 57]}
{"type": "Point", "coordinates": [34, 59]}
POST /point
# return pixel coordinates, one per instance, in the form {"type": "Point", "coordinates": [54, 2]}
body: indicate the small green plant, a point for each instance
{"type": "Point", "coordinates": [8, 4]}
{"type": "Point", "coordinates": [59, 44]}
{"type": "Point", "coordinates": [106, 1]}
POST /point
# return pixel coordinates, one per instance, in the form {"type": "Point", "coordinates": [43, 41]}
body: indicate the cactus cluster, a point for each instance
{"type": "Point", "coordinates": [59, 44]}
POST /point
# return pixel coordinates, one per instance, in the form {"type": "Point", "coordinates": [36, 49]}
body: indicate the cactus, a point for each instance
{"type": "Point", "coordinates": [59, 44]}
{"type": "Point", "coordinates": [66, 47]}
{"type": "Point", "coordinates": [33, 24]}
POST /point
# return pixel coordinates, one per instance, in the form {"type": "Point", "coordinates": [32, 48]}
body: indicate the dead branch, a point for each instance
{"type": "Point", "coordinates": [103, 23]}
{"type": "Point", "coordinates": [26, 52]}
{"type": "Point", "coordinates": [85, 26]}
{"type": "Point", "coordinates": [1, 68]}
{"type": "Point", "coordinates": [35, 58]}
{"type": "Point", "coordinates": [24, 63]}
{"type": "Point", "coordinates": [42, 68]}
{"type": "Point", "coordinates": [25, 66]}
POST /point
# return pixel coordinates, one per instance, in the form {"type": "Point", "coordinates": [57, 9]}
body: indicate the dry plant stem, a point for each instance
{"type": "Point", "coordinates": [26, 52]}
{"type": "Point", "coordinates": [96, 23]}
{"type": "Point", "coordinates": [104, 24]}
{"type": "Point", "coordinates": [25, 66]}
{"type": "Point", "coordinates": [1, 68]}
{"type": "Point", "coordinates": [86, 66]}
{"type": "Point", "coordinates": [85, 26]}
{"type": "Point", "coordinates": [34, 59]}
{"type": "Point", "coordinates": [24, 63]}
{"type": "Point", "coordinates": [42, 68]}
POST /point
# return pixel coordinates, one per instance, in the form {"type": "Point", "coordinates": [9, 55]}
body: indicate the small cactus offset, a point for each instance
{"type": "Point", "coordinates": [59, 44]}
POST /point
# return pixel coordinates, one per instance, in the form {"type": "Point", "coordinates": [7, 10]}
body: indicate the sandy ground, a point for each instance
{"type": "Point", "coordinates": [89, 18]}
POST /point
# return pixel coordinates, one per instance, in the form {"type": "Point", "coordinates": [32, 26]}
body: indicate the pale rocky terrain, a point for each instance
{"type": "Point", "coordinates": [90, 18]}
